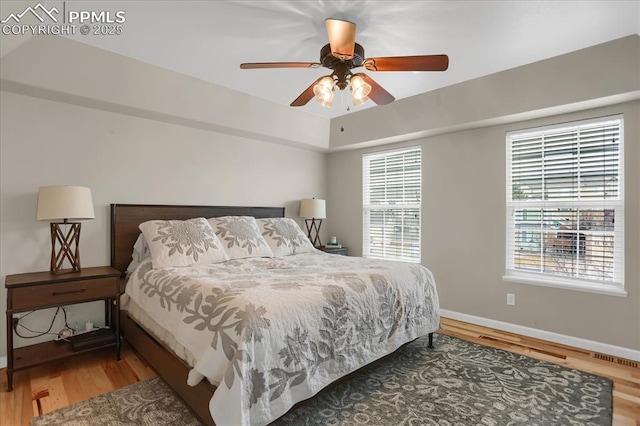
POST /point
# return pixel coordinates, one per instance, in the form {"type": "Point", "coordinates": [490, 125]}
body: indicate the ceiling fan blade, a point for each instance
{"type": "Point", "coordinates": [408, 63]}
{"type": "Point", "coordinates": [378, 94]}
{"type": "Point", "coordinates": [258, 65]}
{"type": "Point", "coordinates": [342, 38]}
{"type": "Point", "coordinates": [307, 95]}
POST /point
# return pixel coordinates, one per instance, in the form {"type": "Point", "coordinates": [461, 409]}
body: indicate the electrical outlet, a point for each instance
{"type": "Point", "coordinates": [511, 299]}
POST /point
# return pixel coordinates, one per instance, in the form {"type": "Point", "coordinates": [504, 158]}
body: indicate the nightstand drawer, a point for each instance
{"type": "Point", "coordinates": [59, 294]}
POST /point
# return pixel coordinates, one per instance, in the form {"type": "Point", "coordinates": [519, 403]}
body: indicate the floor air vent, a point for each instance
{"type": "Point", "coordinates": [616, 360]}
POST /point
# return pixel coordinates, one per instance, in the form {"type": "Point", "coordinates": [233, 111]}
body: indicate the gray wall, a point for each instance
{"type": "Point", "coordinates": [463, 231]}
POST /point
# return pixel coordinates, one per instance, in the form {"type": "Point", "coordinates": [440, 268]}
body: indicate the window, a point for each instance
{"type": "Point", "coordinates": [392, 186]}
{"type": "Point", "coordinates": [565, 206]}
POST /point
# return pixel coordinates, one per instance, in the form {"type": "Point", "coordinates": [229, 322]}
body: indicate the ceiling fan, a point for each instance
{"type": "Point", "coordinates": [343, 54]}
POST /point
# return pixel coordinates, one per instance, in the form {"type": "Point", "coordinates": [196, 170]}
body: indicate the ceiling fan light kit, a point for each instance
{"type": "Point", "coordinates": [323, 90]}
{"type": "Point", "coordinates": [341, 55]}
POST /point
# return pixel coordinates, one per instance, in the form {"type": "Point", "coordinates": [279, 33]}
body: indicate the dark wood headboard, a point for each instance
{"type": "Point", "coordinates": [125, 219]}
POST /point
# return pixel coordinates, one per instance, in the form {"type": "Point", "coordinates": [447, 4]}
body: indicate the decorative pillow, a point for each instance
{"type": "Point", "coordinates": [182, 242]}
{"type": "Point", "coordinates": [284, 236]}
{"type": "Point", "coordinates": [240, 237]}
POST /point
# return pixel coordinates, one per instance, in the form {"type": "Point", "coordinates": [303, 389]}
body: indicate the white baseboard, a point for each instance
{"type": "Point", "coordinates": [3, 361]}
{"type": "Point", "coordinates": [562, 339]}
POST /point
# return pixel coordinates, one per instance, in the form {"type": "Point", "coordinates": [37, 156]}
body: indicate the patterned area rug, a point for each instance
{"type": "Point", "coordinates": [456, 383]}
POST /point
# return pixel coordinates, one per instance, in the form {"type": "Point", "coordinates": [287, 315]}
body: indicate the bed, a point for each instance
{"type": "Point", "coordinates": [243, 338]}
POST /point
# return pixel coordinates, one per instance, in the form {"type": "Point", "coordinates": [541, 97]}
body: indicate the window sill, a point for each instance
{"type": "Point", "coordinates": [578, 286]}
{"type": "Point", "coordinates": [393, 259]}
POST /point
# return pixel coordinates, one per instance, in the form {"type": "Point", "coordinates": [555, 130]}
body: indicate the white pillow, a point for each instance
{"type": "Point", "coordinates": [284, 236]}
{"type": "Point", "coordinates": [140, 253]}
{"type": "Point", "coordinates": [240, 237]}
{"type": "Point", "coordinates": [176, 243]}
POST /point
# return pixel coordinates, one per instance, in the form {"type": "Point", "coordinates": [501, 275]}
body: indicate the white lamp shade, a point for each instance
{"type": "Point", "coordinates": [64, 202]}
{"type": "Point", "coordinates": [312, 208]}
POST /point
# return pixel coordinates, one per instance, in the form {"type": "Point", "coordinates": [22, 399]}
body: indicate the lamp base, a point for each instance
{"type": "Point", "coordinates": [69, 248]}
{"type": "Point", "coordinates": [313, 231]}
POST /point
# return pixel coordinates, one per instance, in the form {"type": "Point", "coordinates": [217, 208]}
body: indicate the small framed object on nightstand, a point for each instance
{"type": "Point", "coordinates": [335, 250]}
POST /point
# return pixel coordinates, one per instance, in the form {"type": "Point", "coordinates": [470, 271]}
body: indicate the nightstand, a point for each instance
{"type": "Point", "coordinates": [39, 290]}
{"type": "Point", "coordinates": [341, 251]}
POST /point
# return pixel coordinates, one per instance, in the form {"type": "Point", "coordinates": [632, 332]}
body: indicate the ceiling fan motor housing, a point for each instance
{"type": "Point", "coordinates": [341, 67]}
{"type": "Point", "coordinates": [328, 60]}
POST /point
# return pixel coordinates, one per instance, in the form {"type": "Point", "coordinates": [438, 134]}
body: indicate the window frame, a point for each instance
{"type": "Point", "coordinates": [616, 287]}
{"type": "Point", "coordinates": [367, 208]}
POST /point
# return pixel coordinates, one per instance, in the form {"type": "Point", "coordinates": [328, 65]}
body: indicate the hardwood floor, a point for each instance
{"type": "Point", "coordinates": [56, 385]}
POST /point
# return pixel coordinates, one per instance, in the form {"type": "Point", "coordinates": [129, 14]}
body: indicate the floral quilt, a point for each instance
{"type": "Point", "coordinates": [271, 332]}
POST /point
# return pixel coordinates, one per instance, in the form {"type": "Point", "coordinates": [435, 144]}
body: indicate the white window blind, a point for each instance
{"type": "Point", "coordinates": [565, 204]}
{"type": "Point", "coordinates": [392, 187]}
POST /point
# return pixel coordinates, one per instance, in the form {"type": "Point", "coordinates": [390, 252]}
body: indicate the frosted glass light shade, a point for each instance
{"type": "Point", "coordinates": [324, 91]}
{"type": "Point", "coordinates": [360, 90]}
{"type": "Point", "coordinates": [312, 208]}
{"type": "Point", "coordinates": [60, 202]}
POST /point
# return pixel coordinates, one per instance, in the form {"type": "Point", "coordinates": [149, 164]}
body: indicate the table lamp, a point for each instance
{"type": "Point", "coordinates": [64, 203]}
{"type": "Point", "coordinates": [313, 210]}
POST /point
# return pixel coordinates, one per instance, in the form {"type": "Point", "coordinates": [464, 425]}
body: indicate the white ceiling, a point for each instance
{"type": "Point", "coordinates": [209, 39]}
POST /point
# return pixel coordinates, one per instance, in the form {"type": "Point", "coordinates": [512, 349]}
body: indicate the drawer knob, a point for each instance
{"type": "Point", "coordinates": [60, 293]}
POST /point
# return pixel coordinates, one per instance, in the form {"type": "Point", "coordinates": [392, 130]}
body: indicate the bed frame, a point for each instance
{"type": "Point", "coordinates": [125, 219]}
